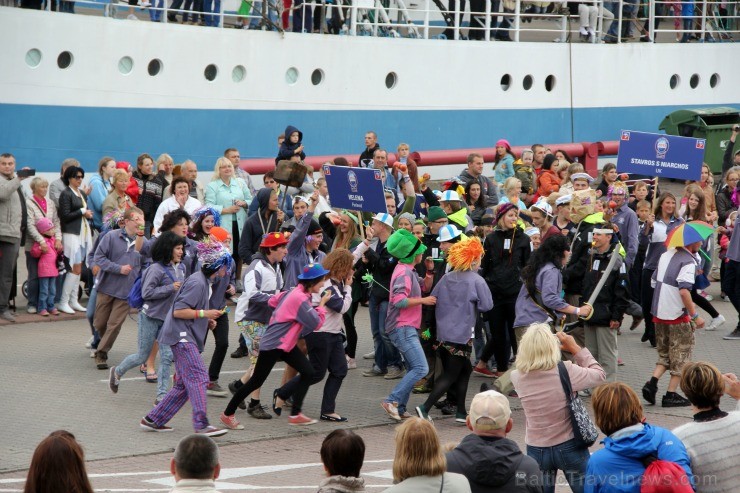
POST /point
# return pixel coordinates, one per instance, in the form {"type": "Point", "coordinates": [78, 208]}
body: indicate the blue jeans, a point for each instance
{"type": "Point", "coordinates": [90, 313]}
{"type": "Point", "coordinates": [406, 340]}
{"type": "Point", "coordinates": [47, 290]}
{"type": "Point", "coordinates": [569, 457]}
{"type": "Point", "coordinates": [156, 15]}
{"type": "Point", "coordinates": [163, 371]}
{"type": "Point", "coordinates": [210, 7]}
{"type": "Point", "coordinates": [148, 331]}
{"type": "Point", "coordinates": [385, 353]}
{"type": "Point", "coordinates": [257, 11]}
{"type": "Point", "coordinates": [32, 266]}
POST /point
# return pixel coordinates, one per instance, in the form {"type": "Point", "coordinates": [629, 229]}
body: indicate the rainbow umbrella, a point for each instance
{"type": "Point", "coordinates": [689, 233]}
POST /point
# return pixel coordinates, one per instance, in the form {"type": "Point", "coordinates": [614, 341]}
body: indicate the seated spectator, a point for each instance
{"type": "Point", "coordinates": [618, 467]}
{"type": "Point", "coordinates": [419, 464]}
{"type": "Point", "coordinates": [58, 460]}
{"type": "Point", "coordinates": [490, 461]}
{"type": "Point", "coordinates": [195, 465]}
{"type": "Point", "coordinates": [711, 440]}
{"type": "Point", "coordinates": [342, 453]}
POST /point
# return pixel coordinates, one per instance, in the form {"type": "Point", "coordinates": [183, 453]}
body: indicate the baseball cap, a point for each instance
{"type": "Point", "coordinates": [491, 405]}
{"type": "Point", "coordinates": [272, 240]}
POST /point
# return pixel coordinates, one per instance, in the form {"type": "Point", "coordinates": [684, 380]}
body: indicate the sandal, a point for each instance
{"type": "Point", "coordinates": [151, 377]}
{"type": "Point", "coordinates": [334, 419]}
{"type": "Point", "coordinates": [277, 410]}
{"type": "Point", "coordinates": [142, 368]}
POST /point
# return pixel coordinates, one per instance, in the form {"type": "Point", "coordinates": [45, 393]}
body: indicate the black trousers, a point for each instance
{"type": "Point", "coordinates": [703, 303]}
{"type": "Point", "coordinates": [221, 336]}
{"type": "Point", "coordinates": [265, 362]}
{"type": "Point", "coordinates": [325, 352]}
{"type": "Point", "coordinates": [455, 377]}
{"type": "Point", "coordinates": [646, 292]}
{"type": "Point", "coordinates": [351, 329]}
{"type": "Point", "coordinates": [503, 339]}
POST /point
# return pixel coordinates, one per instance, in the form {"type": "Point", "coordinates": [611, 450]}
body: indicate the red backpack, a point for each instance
{"type": "Point", "coordinates": [662, 476]}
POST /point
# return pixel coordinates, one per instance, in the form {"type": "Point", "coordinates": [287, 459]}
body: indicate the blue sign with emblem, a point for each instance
{"type": "Point", "coordinates": [355, 189]}
{"type": "Point", "coordinates": [660, 155]}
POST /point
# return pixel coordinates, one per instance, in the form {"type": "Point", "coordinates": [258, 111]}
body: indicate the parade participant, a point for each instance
{"type": "Point", "coordinates": [461, 296]}
{"type": "Point", "coordinates": [436, 218]}
{"type": "Point", "coordinates": [403, 319]}
{"type": "Point", "coordinates": [611, 301]}
{"type": "Point", "coordinates": [658, 226]}
{"type": "Point", "coordinates": [731, 280]}
{"type": "Point", "coordinates": [456, 213]}
{"type": "Point", "coordinates": [263, 279]}
{"type": "Point", "coordinates": [159, 285]}
{"type": "Point", "coordinates": [303, 245]}
{"type": "Point", "coordinates": [625, 219]}
{"type": "Point", "coordinates": [562, 215]}
{"type": "Point", "coordinates": [119, 261]}
{"type": "Point", "coordinates": [178, 222]}
{"type": "Point", "coordinates": [293, 317]}
{"type": "Point", "coordinates": [507, 251]}
{"type": "Point", "coordinates": [326, 344]}
{"type": "Point", "coordinates": [184, 331]}
{"type": "Point", "coordinates": [608, 177]}
{"type": "Point", "coordinates": [535, 238]}
{"type": "Point", "coordinates": [675, 318]}
{"type": "Point", "coordinates": [541, 214]}
{"type": "Point", "coordinates": [581, 181]}
{"type": "Point", "coordinates": [380, 264]}
{"type": "Point", "coordinates": [267, 219]}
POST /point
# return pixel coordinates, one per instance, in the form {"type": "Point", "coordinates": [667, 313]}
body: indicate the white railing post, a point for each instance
{"type": "Point", "coordinates": [456, 32]}
{"type": "Point", "coordinates": [704, 20]}
{"type": "Point", "coordinates": [599, 21]}
{"type": "Point", "coordinates": [517, 20]}
{"type": "Point", "coordinates": [427, 7]}
{"type": "Point", "coordinates": [165, 12]}
{"type": "Point", "coordinates": [487, 27]}
{"type": "Point", "coordinates": [353, 19]}
{"type": "Point", "coordinates": [619, 23]}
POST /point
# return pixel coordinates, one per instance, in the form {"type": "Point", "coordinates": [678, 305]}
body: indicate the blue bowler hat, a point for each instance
{"type": "Point", "coordinates": [312, 271]}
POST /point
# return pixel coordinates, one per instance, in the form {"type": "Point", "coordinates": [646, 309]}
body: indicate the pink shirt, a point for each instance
{"type": "Point", "coordinates": [546, 412]}
{"type": "Point", "coordinates": [404, 284]}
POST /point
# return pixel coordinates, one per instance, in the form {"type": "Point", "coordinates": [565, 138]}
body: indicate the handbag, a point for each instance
{"type": "Point", "coordinates": [583, 427]}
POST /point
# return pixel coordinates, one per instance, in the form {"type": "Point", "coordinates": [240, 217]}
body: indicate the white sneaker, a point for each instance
{"type": "Point", "coordinates": [351, 364]}
{"type": "Point", "coordinates": [716, 322]}
{"type": "Point", "coordinates": [31, 309]}
{"type": "Point", "coordinates": [144, 3]}
{"type": "Point", "coordinates": [92, 352]}
{"type": "Point", "coordinates": [75, 305]}
{"type": "Point", "coordinates": [65, 308]}
{"type": "Point", "coordinates": [132, 17]}
{"type": "Point", "coordinates": [89, 342]}
{"type": "Point", "coordinates": [370, 355]}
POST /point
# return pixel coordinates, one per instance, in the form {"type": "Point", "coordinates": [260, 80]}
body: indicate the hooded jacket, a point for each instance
{"type": "Point", "coordinates": [461, 297]}
{"type": "Point", "coordinates": [487, 187]}
{"type": "Point", "coordinates": [575, 270]}
{"type": "Point", "coordinates": [494, 464]}
{"type": "Point", "coordinates": [366, 158]}
{"type": "Point", "coordinates": [287, 148]}
{"type": "Point", "coordinates": [506, 254]}
{"type": "Point", "coordinates": [264, 221]}
{"type": "Point", "coordinates": [261, 281]}
{"type": "Point", "coordinates": [618, 466]}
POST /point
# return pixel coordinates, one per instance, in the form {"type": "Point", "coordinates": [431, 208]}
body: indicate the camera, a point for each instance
{"type": "Point", "coordinates": [26, 172]}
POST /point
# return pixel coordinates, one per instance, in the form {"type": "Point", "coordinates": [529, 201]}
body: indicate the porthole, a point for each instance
{"type": "Point", "coordinates": [714, 81]}
{"type": "Point", "coordinates": [125, 65]}
{"type": "Point", "coordinates": [64, 60]}
{"type": "Point", "coordinates": [505, 82]}
{"type": "Point", "coordinates": [694, 81]}
{"type": "Point", "coordinates": [239, 73]}
{"type": "Point", "coordinates": [527, 82]}
{"type": "Point", "coordinates": [391, 80]}
{"type": "Point", "coordinates": [291, 76]}
{"type": "Point", "coordinates": [33, 57]}
{"type": "Point", "coordinates": [550, 83]}
{"type": "Point", "coordinates": [154, 67]}
{"type": "Point", "coordinates": [317, 77]}
{"type": "Point", "coordinates": [210, 73]}
{"type": "Point", "coordinates": [675, 81]}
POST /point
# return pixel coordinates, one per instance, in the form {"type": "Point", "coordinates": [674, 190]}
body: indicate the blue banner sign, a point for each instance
{"type": "Point", "coordinates": [660, 155]}
{"type": "Point", "coordinates": [355, 189]}
{"type": "Point", "coordinates": [421, 206]}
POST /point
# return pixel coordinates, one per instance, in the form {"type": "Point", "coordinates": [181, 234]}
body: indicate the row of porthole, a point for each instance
{"type": "Point", "coordinates": [527, 82]}
{"type": "Point", "coordinates": [694, 81]}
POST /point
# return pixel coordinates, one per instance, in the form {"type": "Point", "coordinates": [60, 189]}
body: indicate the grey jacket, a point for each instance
{"type": "Point", "coordinates": [11, 211]}
{"type": "Point", "coordinates": [55, 190]}
{"type": "Point", "coordinates": [113, 252]}
{"type": "Point", "coordinates": [488, 188]}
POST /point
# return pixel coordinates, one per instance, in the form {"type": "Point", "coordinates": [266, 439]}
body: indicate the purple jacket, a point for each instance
{"type": "Point", "coordinates": [549, 284]}
{"type": "Point", "coordinates": [193, 294]}
{"type": "Point", "coordinates": [114, 251]}
{"type": "Point", "coordinates": [461, 296]}
{"type": "Point", "coordinates": [156, 288]}
{"type": "Point", "coordinates": [293, 318]}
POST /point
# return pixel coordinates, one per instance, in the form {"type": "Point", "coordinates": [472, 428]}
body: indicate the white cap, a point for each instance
{"type": "Point", "coordinates": [581, 176]}
{"type": "Point", "coordinates": [450, 196]}
{"type": "Point", "coordinates": [532, 231]}
{"type": "Point", "coordinates": [447, 233]}
{"type": "Point", "coordinates": [384, 218]}
{"type": "Point", "coordinates": [565, 199]}
{"type": "Point", "coordinates": [543, 206]}
{"type": "Point", "coordinates": [493, 406]}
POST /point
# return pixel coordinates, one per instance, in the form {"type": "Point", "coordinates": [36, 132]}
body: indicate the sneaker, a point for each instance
{"type": "Point", "coordinates": [406, 415]}
{"type": "Point", "coordinates": [391, 409]}
{"type": "Point", "coordinates": [706, 296]}
{"type": "Point", "coordinates": [157, 401]}
{"type": "Point", "coordinates": [620, 362]}
{"type": "Point", "coordinates": [259, 412]}
{"type": "Point", "coordinates": [449, 409]}
{"type": "Point", "coordinates": [351, 364]}
{"type": "Point", "coordinates": [211, 431]}
{"type": "Point", "coordinates": [394, 373]}
{"type": "Point", "coordinates": [240, 352]}
{"type": "Point", "coordinates": [716, 322]}
{"type": "Point", "coordinates": [421, 389]}
{"type": "Point", "coordinates": [113, 380]}
{"type": "Point", "coordinates": [54, 311]}
{"type": "Point", "coordinates": [149, 425]}
{"type": "Point", "coordinates": [101, 360]}
{"type": "Point", "coordinates": [231, 422]}
{"type": "Point", "coordinates": [44, 313]}
{"type": "Point", "coordinates": [6, 315]}
{"type": "Point", "coordinates": [92, 352]}
{"type": "Point", "coordinates": [674, 400]}
{"type": "Point", "coordinates": [373, 372]}
{"type": "Point", "coordinates": [89, 342]}
{"type": "Point", "coordinates": [370, 355]}
{"type": "Point", "coordinates": [233, 387]}
{"type": "Point", "coordinates": [300, 420]}
{"type": "Point", "coordinates": [482, 372]}
{"type": "Point", "coordinates": [649, 392]}
{"type": "Point", "coordinates": [215, 390]}
{"type": "Point", "coordinates": [31, 309]}
{"type": "Point", "coordinates": [461, 418]}
{"type": "Point", "coordinates": [733, 336]}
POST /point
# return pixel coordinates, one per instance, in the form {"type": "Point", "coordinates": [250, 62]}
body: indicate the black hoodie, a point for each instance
{"type": "Point", "coordinates": [263, 221]}
{"type": "Point", "coordinates": [494, 464]}
{"type": "Point", "coordinates": [288, 148]}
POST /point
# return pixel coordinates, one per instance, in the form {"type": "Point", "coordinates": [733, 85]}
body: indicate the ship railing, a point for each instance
{"type": "Point", "coordinates": [709, 23]}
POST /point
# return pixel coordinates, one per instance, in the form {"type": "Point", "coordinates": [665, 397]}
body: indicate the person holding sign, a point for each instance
{"type": "Point", "coordinates": [303, 246]}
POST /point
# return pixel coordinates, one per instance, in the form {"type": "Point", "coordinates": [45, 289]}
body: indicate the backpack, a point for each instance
{"type": "Point", "coordinates": [525, 174]}
{"type": "Point", "coordinates": [135, 297]}
{"type": "Point", "coordinates": [662, 476]}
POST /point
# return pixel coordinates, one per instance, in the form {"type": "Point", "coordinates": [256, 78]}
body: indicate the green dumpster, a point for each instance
{"type": "Point", "coordinates": [713, 124]}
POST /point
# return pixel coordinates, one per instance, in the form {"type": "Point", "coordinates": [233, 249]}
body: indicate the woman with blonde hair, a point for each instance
{"type": "Point", "coordinates": [619, 466]}
{"type": "Point", "coordinates": [419, 464]}
{"type": "Point", "coordinates": [550, 439]}
{"type": "Point", "coordinates": [512, 190]}
{"type": "Point", "coordinates": [567, 184]}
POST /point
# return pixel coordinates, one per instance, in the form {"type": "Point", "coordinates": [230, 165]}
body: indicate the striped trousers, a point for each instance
{"type": "Point", "coordinates": [191, 380]}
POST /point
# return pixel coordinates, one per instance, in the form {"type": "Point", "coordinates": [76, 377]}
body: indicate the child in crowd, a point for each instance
{"type": "Point", "coordinates": [342, 453]}
{"type": "Point", "coordinates": [292, 145]}
{"type": "Point", "coordinates": [47, 267]}
{"type": "Point", "coordinates": [535, 237]}
{"type": "Point", "coordinates": [639, 193]}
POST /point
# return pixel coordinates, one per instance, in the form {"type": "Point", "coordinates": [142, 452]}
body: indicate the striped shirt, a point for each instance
{"type": "Point", "coordinates": [676, 271]}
